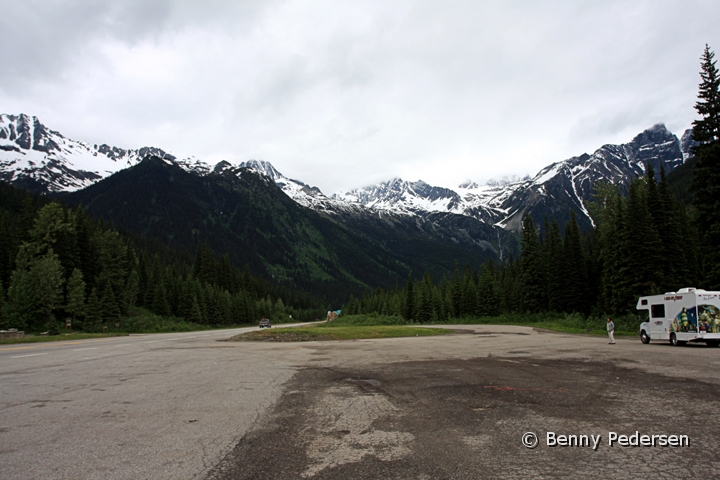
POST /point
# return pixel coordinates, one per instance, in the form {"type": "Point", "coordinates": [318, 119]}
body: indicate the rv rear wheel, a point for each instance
{"type": "Point", "coordinates": [644, 338]}
{"type": "Point", "coordinates": [673, 340]}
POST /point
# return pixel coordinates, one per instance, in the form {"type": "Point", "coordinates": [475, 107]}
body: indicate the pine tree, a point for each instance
{"type": "Point", "coordinates": [555, 268]}
{"type": "Point", "coordinates": [143, 280]}
{"type": "Point", "coordinates": [678, 248]}
{"type": "Point", "coordinates": [708, 128]}
{"type": "Point", "coordinates": [87, 254]}
{"type": "Point", "coordinates": [3, 326]}
{"type": "Point", "coordinates": [468, 302]}
{"type": "Point", "coordinates": [48, 276]}
{"type": "Point", "coordinates": [7, 243]}
{"type": "Point", "coordinates": [424, 313]}
{"type": "Point", "coordinates": [109, 309]}
{"type": "Point", "coordinates": [130, 292]}
{"type": "Point", "coordinates": [35, 290]}
{"type": "Point", "coordinates": [93, 312]}
{"type": "Point", "coordinates": [456, 292]}
{"type": "Point", "coordinates": [488, 301]}
{"type": "Point", "coordinates": [19, 308]}
{"type": "Point", "coordinates": [195, 316]}
{"type": "Point", "coordinates": [532, 278]}
{"type": "Point", "coordinates": [160, 304]}
{"type": "Point", "coordinates": [575, 282]}
{"type": "Point", "coordinates": [409, 305]}
{"type": "Point", "coordinates": [706, 174]}
{"type": "Point", "coordinates": [645, 254]}
{"type": "Point", "coordinates": [75, 300]}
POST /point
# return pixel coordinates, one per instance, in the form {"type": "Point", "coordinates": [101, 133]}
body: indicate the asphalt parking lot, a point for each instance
{"type": "Point", "coordinates": [454, 406]}
{"type": "Point", "coordinates": [464, 418]}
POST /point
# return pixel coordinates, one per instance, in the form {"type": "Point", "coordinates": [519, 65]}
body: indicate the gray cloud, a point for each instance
{"type": "Point", "coordinates": [341, 94]}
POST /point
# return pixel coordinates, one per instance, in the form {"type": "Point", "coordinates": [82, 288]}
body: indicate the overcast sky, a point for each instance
{"type": "Point", "coordinates": [343, 94]}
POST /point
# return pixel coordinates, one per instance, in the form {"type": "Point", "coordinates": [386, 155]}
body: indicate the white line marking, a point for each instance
{"type": "Point", "coordinates": [82, 349]}
{"type": "Point", "coordinates": [29, 355]}
{"type": "Point", "coordinates": [124, 345]}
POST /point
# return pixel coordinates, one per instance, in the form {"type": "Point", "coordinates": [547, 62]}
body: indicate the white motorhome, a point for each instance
{"type": "Point", "coordinates": [688, 315]}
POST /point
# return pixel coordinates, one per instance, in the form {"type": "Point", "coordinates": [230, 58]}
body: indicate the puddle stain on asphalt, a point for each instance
{"type": "Point", "coordinates": [450, 418]}
{"type": "Point", "coordinates": [339, 431]}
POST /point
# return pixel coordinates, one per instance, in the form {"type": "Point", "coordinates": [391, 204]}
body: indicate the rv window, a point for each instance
{"type": "Point", "coordinates": [643, 302]}
{"type": "Point", "coordinates": [658, 311]}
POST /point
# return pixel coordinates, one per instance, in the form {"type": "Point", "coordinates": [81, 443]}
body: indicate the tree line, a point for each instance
{"type": "Point", "coordinates": [642, 244]}
{"type": "Point", "coordinates": [57, 265]}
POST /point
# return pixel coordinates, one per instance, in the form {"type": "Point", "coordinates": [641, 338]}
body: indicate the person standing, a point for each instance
{"type": "Point", "coordinates": [611, 331]}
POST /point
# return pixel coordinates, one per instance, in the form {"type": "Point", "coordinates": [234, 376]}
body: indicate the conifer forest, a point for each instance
{"type": "Point", "coordinates": [57, 265]}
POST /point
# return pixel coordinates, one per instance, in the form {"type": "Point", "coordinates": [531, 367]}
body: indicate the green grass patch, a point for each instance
{"type": "Point", "coordinates": [328, 332]}
{"type": "Point", "coordinates": [561, 322]}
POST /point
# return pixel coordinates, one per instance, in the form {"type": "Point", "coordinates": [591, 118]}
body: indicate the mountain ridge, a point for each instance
{"type": "Point", "coordinates": [38, 158]}
{"type": "Point", "coordinates": [245, 215]}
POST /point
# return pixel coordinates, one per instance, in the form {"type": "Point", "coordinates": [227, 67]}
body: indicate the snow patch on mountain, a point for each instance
{"type": "Point", "coordinates": [302, 193]}
{"type": "Point", "coordinates": [30, 152]}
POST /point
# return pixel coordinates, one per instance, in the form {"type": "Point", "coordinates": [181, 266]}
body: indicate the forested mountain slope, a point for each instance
{"type": "Point", "coordinates": [246, 216]}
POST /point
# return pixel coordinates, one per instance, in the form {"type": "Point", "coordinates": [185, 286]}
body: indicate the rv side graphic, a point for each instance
{"type": "Point", "coordinates": [688, 315]}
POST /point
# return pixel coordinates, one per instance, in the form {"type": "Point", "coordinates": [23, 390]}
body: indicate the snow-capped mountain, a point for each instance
{"type": "Point", "coordinates": [555, 190]}
{"type": "Point", "coordinates": [404, 197]}
{"type": "Point", "coordinates": [41, 159]}
{"type": "Point", "coordinates": [302, 193]}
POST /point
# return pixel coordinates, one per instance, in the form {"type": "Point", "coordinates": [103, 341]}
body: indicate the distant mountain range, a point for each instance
{"type": "Point", "coordinates": [395, 227]}
{"type": "Point", "coordinates": [35, 157]}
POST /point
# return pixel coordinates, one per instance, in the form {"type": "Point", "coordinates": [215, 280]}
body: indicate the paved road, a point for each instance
{"type": "Point", "coordinates": [152, 406]}
{"type": "Point", "coordinates": [188, 406]}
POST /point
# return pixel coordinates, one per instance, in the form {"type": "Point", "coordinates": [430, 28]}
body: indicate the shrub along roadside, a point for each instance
{"type": "Point", "coordinates": [140, 320]}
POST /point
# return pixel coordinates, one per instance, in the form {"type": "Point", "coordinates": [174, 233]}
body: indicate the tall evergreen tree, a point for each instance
{"type": "Point", "coordinates": [110, 311]}
{"type": "Point", "coordinates": [3, 326]}
{"type": "Point", "coordinates": [456, 292]}
{"type": "Point", "coordinates": [707, 129]}
{"type": "Point", "coordinates": [645, 251]}
{"type": "Point", "coordinates": [488, 300]}
{"type": "Point", "coordinates": [160, 303]}
{"type": "Point", "coordinates": [555, 268]}
{"type": "Point", "coordinates": [425, 310]}
{"type": "Point", "coordinates": [531, 268]}
{"type": "Point", "coordinates": [575, 294]}
{"type": "Point", "coordinates": [93, 312]}
{"type": "Point", "coordinates": [75, 299]}
{"type": "Point", "coordinates": [706, 174]}
{"type": "Point", "coordinates": [409, 304]}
